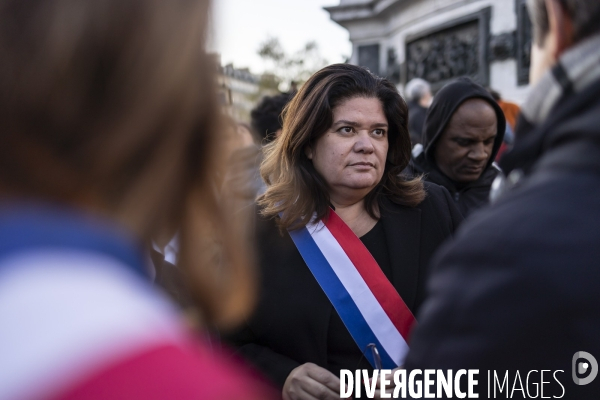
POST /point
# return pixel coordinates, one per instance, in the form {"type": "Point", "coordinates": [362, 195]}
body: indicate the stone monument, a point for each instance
{"type": "Point", "coordinates": [438, 40]}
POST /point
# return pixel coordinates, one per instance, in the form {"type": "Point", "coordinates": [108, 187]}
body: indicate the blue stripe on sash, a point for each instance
{"type": "Point", "coordinates": [339, 297]}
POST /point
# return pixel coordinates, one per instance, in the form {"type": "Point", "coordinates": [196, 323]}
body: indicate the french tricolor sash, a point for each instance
{"type": "Point", "coordinates": [366, 301]}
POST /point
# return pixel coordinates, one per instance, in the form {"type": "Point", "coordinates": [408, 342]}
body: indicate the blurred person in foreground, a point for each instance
{"type": "Point", "coordinates": [109, 128]}
{"type": "Point", "coordinates": [340, 230]}
{"type": "Point", "coordinates": [418, 96]}
{"type": "Point", "coordinates": [463, 132]}
{"type": "Point", "coordinates": [518, 288]}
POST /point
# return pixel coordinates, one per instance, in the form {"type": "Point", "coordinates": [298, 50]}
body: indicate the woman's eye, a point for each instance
{"type": "Point", "coordinates": [379, 132]}
{"type": "Point", "coordinates": [346, 129]}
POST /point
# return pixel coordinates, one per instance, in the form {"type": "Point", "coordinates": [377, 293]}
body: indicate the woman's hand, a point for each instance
{"type": "Point", "coordinates": [311, 382]}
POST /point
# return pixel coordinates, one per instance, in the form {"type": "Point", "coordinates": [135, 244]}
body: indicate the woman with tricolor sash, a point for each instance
{"type": "Point", "coordinates": [343, 239]}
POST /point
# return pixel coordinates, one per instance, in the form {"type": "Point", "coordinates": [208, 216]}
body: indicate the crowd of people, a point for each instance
{"type": "Point", "coordinates": [153, 248]}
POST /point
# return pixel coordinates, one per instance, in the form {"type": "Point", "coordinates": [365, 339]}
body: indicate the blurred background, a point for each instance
{"type": "Point", "coordinates": [266, 47]}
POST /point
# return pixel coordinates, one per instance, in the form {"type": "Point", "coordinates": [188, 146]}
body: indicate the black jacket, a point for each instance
{"type": "Point", "coordinates": [475, 194]}
{"type": "Point", "coordinates": [469, 197]}
{"type": "Point", "coordinates": [290, 324]}
{"type": "Point", "coordinates": [519, 288]}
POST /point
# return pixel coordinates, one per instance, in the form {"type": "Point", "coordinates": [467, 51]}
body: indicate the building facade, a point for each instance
{"type": "Point", "coordinates": [238, 91]}
{"type": "Point", "coordinates": [438, 40]}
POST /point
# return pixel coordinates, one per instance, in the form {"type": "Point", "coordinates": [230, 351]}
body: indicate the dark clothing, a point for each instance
{"type": "Point", "coordinates": [519, 287]}
{"type": "Point", "coordinates": [468, 197]}
{"type": "Point", "coordinates": [474, 195]}
{"type": "Point", "coordinates": [341, 348]}
{"type": "Point", "coordinates": [375, 242]}
{"type": "Point", "coordinates": [293, 320]}
{"type": "Point", "coordinates": [416, 120]}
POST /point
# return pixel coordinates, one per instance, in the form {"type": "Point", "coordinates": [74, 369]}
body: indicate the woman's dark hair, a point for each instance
{"type": "Point", "coordinates": [295, 190]}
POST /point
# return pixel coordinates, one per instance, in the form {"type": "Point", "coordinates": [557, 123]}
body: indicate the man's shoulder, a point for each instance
{"type": "Point", "coordinates": [550, 220]}
{"type": "Point", "coordinates": [538, 244]}
{"type": "Point", "coordinates": [532, 256]}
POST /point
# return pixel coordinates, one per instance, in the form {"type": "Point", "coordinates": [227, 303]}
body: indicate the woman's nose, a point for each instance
{"type": "Point", "coordinates": [363, 143]}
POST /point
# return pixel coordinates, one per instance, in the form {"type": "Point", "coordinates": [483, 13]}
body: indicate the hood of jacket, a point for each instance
{"type": "Point", "coordinates": [445, 104]}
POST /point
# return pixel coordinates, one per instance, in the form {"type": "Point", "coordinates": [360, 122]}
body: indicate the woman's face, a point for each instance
{"type": "Point", "coordinates": [351, 155]}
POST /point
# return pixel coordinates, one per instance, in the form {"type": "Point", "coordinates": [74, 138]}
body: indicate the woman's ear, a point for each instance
{"type": "Point", "coordinates": [308, 152]}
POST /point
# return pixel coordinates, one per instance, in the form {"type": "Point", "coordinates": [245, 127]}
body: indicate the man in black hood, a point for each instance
{"type": "Point", "coordinates": [519, 288]}
{"type": "Point", "coordinates": [463, 132]}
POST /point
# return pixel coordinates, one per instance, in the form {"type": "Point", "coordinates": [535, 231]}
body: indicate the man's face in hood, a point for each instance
{"type": "Point", "coordinates": [464, 149]}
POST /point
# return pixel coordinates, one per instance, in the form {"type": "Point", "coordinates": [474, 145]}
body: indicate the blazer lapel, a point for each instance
{"type": "Point", "coordinates": [402, 227]}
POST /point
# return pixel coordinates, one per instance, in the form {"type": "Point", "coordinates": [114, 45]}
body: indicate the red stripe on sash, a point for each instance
{"type": "Point", "coordinates": [365, 264]}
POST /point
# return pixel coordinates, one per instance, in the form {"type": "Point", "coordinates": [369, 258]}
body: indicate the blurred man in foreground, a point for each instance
{"type": "Point", "coordinates": [519, 288]}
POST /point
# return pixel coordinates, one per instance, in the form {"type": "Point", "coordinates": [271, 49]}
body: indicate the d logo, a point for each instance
{"type": "Point", "coordinates": [589, 365]}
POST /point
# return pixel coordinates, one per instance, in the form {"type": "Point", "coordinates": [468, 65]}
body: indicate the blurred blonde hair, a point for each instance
{"type": "Point", "coordinates": [110, 105]}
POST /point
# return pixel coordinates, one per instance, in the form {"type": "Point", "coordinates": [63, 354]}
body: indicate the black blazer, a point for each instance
{"type": "Point", "coordinates": [289, 325]}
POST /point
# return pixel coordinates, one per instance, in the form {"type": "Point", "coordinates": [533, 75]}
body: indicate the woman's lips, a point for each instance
{"type": "Point", "coordinates": [362, 164]}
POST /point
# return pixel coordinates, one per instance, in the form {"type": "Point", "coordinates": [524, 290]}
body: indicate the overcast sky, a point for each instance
{"type": "Point", "coordinates": [241, 25]}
